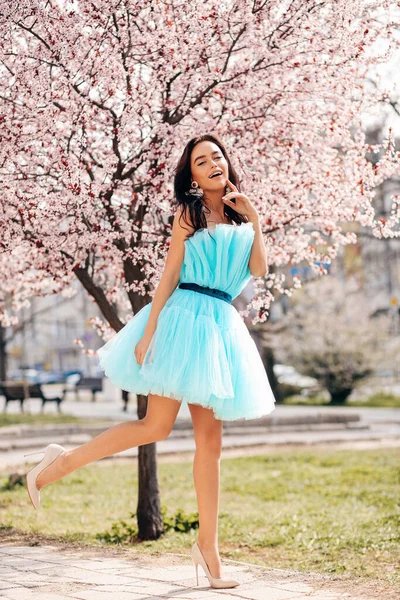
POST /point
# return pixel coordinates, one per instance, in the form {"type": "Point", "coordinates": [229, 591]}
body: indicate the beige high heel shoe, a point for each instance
{"type": "Point", "coordinates": [51, 452]}
{"type": "Point", "coordinates": [215, 582]}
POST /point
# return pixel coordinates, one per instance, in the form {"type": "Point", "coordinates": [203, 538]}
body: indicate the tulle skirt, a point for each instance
{"type": "Point", "coordinates": [200, 353]}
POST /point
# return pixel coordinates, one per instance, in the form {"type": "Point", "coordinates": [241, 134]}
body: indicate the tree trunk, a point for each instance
{"type": "Point", "coordinates": [150, 523]}
{"type": "Point", "coordinates": [339, 397]}
{"type": "Point", "coordinates": [3, 355]}
{"type": "Point", "coordinates": [269, 361]}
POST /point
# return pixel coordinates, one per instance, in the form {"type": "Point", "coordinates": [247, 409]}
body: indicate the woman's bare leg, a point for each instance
{"type": "Point", "coordinates": [156, 425]}
{"type": "Point", "coordinates": [206, 473]}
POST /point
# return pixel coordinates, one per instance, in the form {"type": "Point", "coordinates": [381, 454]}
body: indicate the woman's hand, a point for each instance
{"type": "Point", "coordinates": [142, 347]}
{"type": "Point", "coordinates": [242, 205]}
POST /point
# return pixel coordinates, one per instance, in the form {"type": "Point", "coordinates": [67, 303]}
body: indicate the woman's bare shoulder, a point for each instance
{"type": "Point", "coordinates": [182, 221]}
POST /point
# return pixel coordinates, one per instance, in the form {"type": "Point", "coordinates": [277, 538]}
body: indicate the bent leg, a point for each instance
{"type": "Point", "coordinates": [157, 424]}
{"type": "Point", "coordinates": [206, 473]}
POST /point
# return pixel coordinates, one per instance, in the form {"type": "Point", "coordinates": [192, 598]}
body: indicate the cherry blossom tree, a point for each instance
{"type": "Point", "coordinates": [99, 98]}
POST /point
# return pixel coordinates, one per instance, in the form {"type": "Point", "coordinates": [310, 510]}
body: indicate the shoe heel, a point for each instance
{"type": "Point", "coordinates": [215, 582]}
{"type": "Point", "coordinates": [197, 573]}
{"type": "Point", "coordinates": [36, 452]}
{"type": "Point", "coordinates": [51, 453]}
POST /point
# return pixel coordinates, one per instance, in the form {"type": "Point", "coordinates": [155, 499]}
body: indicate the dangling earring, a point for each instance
{"type": "Point", "coordinates": [195, 190]}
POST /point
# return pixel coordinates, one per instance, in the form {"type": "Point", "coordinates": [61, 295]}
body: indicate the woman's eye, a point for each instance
{"type": "Point", "coordinates": [204, 162]}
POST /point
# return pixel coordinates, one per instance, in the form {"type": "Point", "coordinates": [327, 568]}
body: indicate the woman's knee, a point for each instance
{"type": "Point", "coordinates": [210, 445]}
{"type": "Point", "coordinates": [207, 430]}
{"type": "Point", "coordinates": [160, 416]}
{"type": "Point", "coordinates": [156, 429]}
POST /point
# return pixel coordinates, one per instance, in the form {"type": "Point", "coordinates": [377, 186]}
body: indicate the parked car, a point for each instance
{"type": "Point", "coordinates": [43, 377]}
{"type": "Point", "coordinates": [287, 375]}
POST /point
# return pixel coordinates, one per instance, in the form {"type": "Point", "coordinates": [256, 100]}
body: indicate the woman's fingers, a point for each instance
{"type": "Point", "coordinates": [137, 356]}
{"type": "Point", "coordinates": [141, 349]}
{"type": "Point", "coordinates": [232, 185]}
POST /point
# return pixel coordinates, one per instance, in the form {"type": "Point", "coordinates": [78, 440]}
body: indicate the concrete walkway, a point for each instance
{"type": "Point", "coordinates": [107, 409]}
{"type": "Point", "coordinates": [53, 573]}
{"type": "Point", "coordinates": [113, 410]}
{"type": "Point", "coordinates": [286, 425]}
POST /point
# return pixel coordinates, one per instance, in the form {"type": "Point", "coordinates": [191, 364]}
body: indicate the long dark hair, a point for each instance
{"type": "Point", "coordinates": [195, 205]}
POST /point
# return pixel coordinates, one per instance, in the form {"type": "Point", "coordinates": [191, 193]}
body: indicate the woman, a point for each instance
{"type": "Point", "coordinates": [190, 343]}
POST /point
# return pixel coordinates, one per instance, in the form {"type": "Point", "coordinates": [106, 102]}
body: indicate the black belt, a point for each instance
{"type": "Point", "coordinates": [207, 290]}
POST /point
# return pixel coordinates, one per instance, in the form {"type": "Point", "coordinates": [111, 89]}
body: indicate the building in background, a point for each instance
{"type": "Point", "coordinates": [44, 339]}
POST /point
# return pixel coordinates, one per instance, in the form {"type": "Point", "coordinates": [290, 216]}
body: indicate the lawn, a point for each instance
{"type": "Point", "coordinates": [334, 512]}
{"type": "Point", "coordinates": [378, 400]}
{"type": "Point", "coordinates": [7, 419]}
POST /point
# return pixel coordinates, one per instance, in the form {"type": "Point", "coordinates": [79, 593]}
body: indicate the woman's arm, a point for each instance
{"type": "Point", "coordinates": [258, 262]}
{"type": "Point", "coordinates": [170, 277]}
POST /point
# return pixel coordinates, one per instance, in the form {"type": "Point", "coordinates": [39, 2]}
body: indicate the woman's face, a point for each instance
{"type": "Point", "coordinates": [205, 161]}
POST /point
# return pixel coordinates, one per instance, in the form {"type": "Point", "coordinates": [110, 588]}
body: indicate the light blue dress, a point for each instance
{"type": "Point", "coordinates": [201, 351]}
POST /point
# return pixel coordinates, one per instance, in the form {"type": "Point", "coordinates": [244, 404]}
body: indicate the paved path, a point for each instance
{"type": "Point", "coordinates": [376, 428]}
{"type": "Point", "coordinates": [255, 444]}
{"type": "Point", "coordinates": [114, 410]}
{"type": "Point", "coordinates": [53, 573]}
{"type": "Point", "coordinates": [104, 409]}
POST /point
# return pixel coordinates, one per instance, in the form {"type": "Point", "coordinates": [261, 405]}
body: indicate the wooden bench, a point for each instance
{"type": "Point", "coordinates": [95, 384]}
{"type": "Point", "coordinates": [20, 391]}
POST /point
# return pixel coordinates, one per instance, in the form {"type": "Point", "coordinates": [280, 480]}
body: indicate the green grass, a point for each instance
{"type": "Point", "coordinates": [7, 419]}
{"type": "Point", "coordinates": [378, 400]}
{"type": "Point", "coordinates": [334, 512]}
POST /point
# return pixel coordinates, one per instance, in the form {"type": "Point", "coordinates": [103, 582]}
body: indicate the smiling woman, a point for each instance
{"type": "Point", "coordinates": [203, 174]}
{"type": "Point", "coordinates": [189, 344]}
{"type": "Point", "coordinates": [216, 174]}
